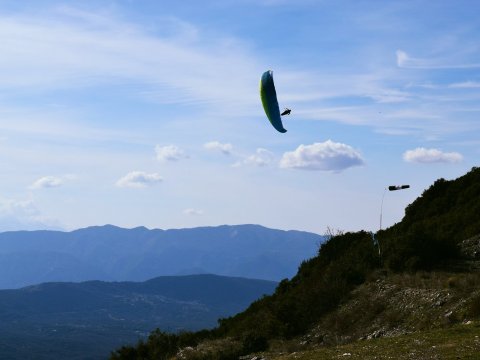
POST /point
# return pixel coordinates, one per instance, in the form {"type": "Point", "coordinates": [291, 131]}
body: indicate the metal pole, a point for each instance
{"type": "Point", "coordinates": [381, 208]}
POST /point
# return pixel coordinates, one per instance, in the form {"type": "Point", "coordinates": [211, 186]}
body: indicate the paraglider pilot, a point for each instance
{"type": "Point", "coordinates": [287, 111]}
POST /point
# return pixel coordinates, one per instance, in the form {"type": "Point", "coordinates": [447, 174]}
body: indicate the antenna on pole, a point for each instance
{"type": "Point", "coordinates": [390, 188]}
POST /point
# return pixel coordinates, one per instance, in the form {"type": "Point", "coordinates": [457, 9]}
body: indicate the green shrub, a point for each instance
{"type": "Point", "coordinates": [254, 343]}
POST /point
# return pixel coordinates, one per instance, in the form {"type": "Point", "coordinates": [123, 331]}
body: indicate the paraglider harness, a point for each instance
{"type": "Point", "coordinates": [287, 111]}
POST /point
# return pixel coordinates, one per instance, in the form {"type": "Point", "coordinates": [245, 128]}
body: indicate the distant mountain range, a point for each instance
{"type": "Point", "coordinates": [111, 253]}
{"type": "Point", "coordinates": [87, 320]}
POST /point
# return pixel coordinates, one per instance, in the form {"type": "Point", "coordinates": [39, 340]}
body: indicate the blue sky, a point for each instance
{"type": "Point", "coordinates": [147, 113]}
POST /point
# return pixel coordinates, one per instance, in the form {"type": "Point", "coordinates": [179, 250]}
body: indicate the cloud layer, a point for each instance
{"type": "Point", "coordinates": [326, 156]}
{"type": "Point", "coordinates": [75, 48]}
{"type": "Point", "coordinates": [428, 156]}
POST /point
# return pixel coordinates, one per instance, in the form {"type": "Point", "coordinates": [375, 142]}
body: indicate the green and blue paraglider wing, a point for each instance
{"type": "Point", "coordinates": [269, 101]}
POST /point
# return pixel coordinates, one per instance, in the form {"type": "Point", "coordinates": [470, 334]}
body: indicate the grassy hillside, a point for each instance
{"type": "Point", "coordinates": [348, 292]}
{"type": "Point", "coordinates": [459, 341]}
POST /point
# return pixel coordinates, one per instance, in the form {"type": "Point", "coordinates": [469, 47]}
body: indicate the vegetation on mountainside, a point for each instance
{"type": "Point", "coordinates": [343, 262]}
{"type": "Point", "coordinates": [427, 239]}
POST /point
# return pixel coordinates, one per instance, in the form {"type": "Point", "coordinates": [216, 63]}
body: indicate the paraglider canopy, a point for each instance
{"type": "Point", "coordinates": [268, 95]}
{"type": "Point", "coordinates": [398, 187]}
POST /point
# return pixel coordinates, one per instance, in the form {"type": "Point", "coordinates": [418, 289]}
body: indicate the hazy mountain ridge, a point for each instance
{"type": "Point", "coordinates": [85, 320]}
{"type": "Point", "coordinates": [111, 253]}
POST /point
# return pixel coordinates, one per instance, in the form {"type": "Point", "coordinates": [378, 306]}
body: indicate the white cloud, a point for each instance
{"type": "Point", "coordinates": [425, 156]}
{"type": "Point", "coordinates": [47, 182]}
{"type": "Point", "coordinates": [262, 157]}
{"type": "Point", "coordinates": [402, 58]}
{"type": "Point", "coordinates": [23, 208]}
{"type": "Point", "coordinates": [193, 212]}
{"type": "Point", "coordinates": [465, 85]}
{"type": "Point", "coordinates": [169, 153]}
{"type": "Point", "coordinates": [408, 62]}
{"type": "Point", "coordinates": [139, 179]}
{"type": "Point", "coordinates": [218, 146]}
{"type": "Point", "coordinates": [326, 156]}
{"type": "Point", "coordinates": [24, 215]}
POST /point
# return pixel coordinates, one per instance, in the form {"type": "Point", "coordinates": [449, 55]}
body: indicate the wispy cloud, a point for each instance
{"type": "Point", "coordinates": [224, 148]}
{"type": "Point", "coordinates": [71, 48]}
{"type": "Point", "coordinates": [406, 61]}
{"type": "Point", "coordinates": [23, 215]}
{"type": "Point", "coordinates": [169, 153]}
{"type": "Point", "coordinates": [326, 156]}
{"type": "Point", "coordinates": [25, 208]}
{"type": "Point", "coordinates": [193, 212]}
{"type": "Point", "coordinates": [139, 179]}
{"type": "Point", "coordinates": [46, 182]}
{"type": "Point", "coordinates": [428, 156]}
{"type": "Point", "coordinates": [465, 85]}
